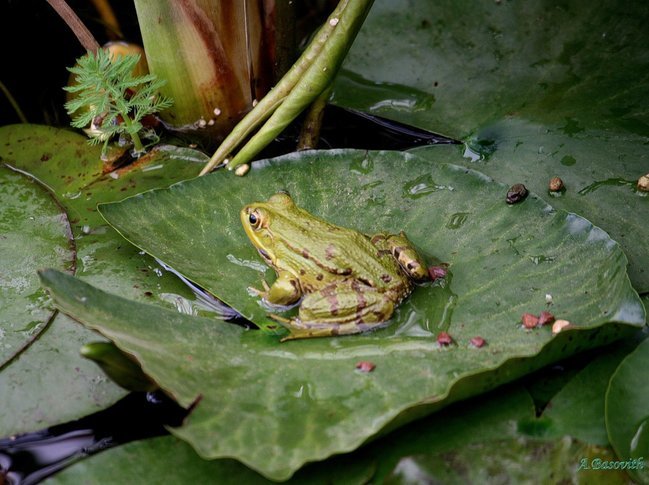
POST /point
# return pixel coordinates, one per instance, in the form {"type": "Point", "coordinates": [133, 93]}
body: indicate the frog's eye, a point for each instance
{"type": "Point", "coordinates": [255, 219]}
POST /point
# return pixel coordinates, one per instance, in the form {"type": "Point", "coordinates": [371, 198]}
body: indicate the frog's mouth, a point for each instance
{"type": "Point", "coordinates": [264, 254]}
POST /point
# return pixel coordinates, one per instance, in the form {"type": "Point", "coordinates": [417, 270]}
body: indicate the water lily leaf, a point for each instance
{"type": "Point", "coordinates": [517, 460]}
{"type": "Point", "coordinates": [170, 459]}
{"type": "Point", "coordinates": [577, 410]}
{"type": "Point", "coordinates": [34, 233]}
{"type": "Point", "coordinates": [529, 89]}
{"type": "Point", "coordinates": [627, 413]}
{"type": "Point", "coordinates": [504, 260]}
{"type": "Point", "coordinates": [49, 383]}
{"type": "Point", "coordinates": [454, 445]}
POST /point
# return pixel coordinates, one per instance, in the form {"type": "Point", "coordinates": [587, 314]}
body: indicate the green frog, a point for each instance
{"type": "Point", "coordinates": [347, 282]}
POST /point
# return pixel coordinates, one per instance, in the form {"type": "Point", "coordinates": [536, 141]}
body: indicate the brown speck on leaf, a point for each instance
{"type": "Point", "coordinates": [365, 366]}
{"type": "Point", "coordinates": [45, 157]}
{"type": "Point", "coordinates": [546, 318]}
{"type": "Point", "coordinates": [516, 193]}
{"type": "Point", "coordinates": [529, 320]}
{"type": "Point", "coordinates": [477, 342]}
{"type": "Point", "coordinates": [643, 183]}
{"type": "Point", "coordinates": [437, 272]}
{"type": "Point", "coordinates": [444, 339]}
{"type": "Point", "coordinates": [556, 184]}
{"type": "Point", "coordinates": [148, 293]}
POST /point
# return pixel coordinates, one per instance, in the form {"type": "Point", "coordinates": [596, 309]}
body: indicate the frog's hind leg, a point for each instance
{"type": "Point", "coordinates": [340, 309]}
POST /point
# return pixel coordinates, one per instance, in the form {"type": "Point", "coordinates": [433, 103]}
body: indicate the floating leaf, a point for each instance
{"type": "Point", "coordinates": [34, 233]}
{"type": "Point", "coordinates": [172, 460]}
{"type": "Point", "coordinates": [577, 410]}
{"type": "Point", "coordinates": [627, 412]}
{"type": "Point", "coordinates": [50, 383]}
{"type": "Point", "coordinates": [504, 260]}
{"type": "Point", "coordinates": [529, 89]}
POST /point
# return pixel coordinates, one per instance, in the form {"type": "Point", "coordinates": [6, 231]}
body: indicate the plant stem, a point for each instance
{"type": "Point", "coordinates": [310, 133]}
{"type": "Point", "coordinates": [84, 36]}
{"type": "Point", "coordinates": [108, 18]}
{"type": "Point", "coordinates": [317, 78]}
{"type": "Point", "coordinates": [123, 109]}
{"type": "Point", "coordinates": [14, 103]}
{"type": "Point", "coordinates": [276, 96]}
{"type": "Point", "coordinates": [211, 53]}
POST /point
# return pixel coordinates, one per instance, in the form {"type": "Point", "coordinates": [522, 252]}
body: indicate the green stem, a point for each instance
{"type": "Point", "coordinates": [310, 133]}
{"type": "Point", "coordinates": [137, 143]}
{"type": "Point", "coordinates": [13, 103]}
{"type": "Point", "coordinates": [86, 39]}
{"type": "Point", "coordinates": [317, 78]}
{"type": "Point", "coordinates": [120, 103]}
{"type": "Point", "coordinates": [276, 96]}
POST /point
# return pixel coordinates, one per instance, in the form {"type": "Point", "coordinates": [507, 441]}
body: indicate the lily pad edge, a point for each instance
{"type": "Point", "coordinates": [463, 387]}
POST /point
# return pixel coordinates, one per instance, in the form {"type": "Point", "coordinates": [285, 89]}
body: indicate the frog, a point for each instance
{"type": "Point", "coordinates": [345, 282]}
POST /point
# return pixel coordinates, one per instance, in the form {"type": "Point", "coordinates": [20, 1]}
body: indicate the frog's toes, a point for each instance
{"type": "Point", "coordinates": [285, 322]}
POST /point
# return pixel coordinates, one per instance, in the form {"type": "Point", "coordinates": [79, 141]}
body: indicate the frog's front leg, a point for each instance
{"type": "Point", "coordinates": [340, 309]}
{"type": "Point", "coordinates": [284, 291]}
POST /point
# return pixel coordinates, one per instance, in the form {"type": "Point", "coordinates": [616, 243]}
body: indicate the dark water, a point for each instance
{"type": "Point", "coordinates": [29, 458]}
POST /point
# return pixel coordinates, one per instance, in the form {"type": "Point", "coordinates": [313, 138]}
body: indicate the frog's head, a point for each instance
{"type": "Point", "coordinates": [260, 220]}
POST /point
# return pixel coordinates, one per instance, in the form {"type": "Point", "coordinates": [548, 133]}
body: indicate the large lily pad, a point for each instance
{"type": "Point", "coordinates": [50, 383]}
{"type": "Point", "coordinates": [446, 447]}
{"type": "Point", "coordinates": [34, 233]}
{"type": "Point", "coordinates": [530, 88]}
{"type": "Point", "coordinates": [504, 260]}
{"type": "Point", "coordinates": [172, 460]}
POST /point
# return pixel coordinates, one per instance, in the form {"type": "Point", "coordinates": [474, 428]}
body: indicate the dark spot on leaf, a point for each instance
{"type": "Point", "coordinates": [516, 193]}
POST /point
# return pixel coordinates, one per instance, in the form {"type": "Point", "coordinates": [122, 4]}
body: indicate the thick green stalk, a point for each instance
{"type": "Point", "coordinates": [210, 53]}
{"type": "Point", "coordinates": [276, 96]}
{"type": "Point", "coordinates": [317, 79]}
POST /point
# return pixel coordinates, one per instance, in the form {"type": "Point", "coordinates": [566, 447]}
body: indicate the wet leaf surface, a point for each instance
{"type": "Point", "coordinates": [455, 445]}
{"type": "Point", "coordinates": [504, 260]}
{"type": "Point", "coordinates": [577, 410]}
{"type": "Point", "coordinates": [51, 383]}
{"type": "Point", "coordinates": [34, 234]}
{"type": "Point", "coordinates": [171, 459]}
{"type": "Point", "coordinates": [627, 411]}
{"type": "Point", "coordinates": [530, 89]}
